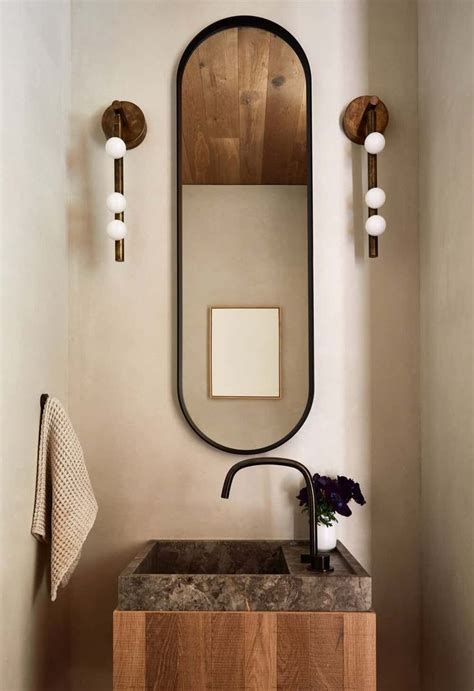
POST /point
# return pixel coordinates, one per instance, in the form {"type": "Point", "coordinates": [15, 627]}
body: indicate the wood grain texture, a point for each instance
{"type": "Point", "coordinates": [359, 651]}
{"type": "Point", "coordinates": [264, 651]}
{"type": "Point", "coordinates": [326, 658]}
{"type": "Point", "coordinates": [285, 92]}
{"type": "Point", "coordinates": [293, 651]}
{"type": "Point", "coordinates": [195, 651]}
{"type": "Point", "coordinates": [196, 155]}
{"type": "Point", "coordinates": [254, 50]}
{"type": "Point", "coordinates": [228, 650]}
{"type": "Point", "coordinates": [243, 103]}
{"type": "Point", "coordinates": [218, 62]}
{"type": "Point", "coordinates": [260, 651]}
{"type": "Point", "coordinates": [162, 663]}
{"type": "Point", "coordinates": [298, 162]}
{"type": "Point", "coordinates": [178, 651]}
{"type": "Point", "coordinates": [129, 651]}
{"type": "Point", "coordinates": [226, 157]}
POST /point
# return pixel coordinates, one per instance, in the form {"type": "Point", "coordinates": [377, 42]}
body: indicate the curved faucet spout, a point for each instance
{"type": "Point", "coordinates": [315, 561]}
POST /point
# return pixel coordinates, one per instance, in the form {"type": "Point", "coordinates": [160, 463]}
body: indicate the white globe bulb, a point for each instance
{"type": "Point", "coordinates": [374, 143]}
{"type": "Point", "coordinates": [116, 203]}
{"type": "Point", "coordinates": [375, 225]}
{"type": "Point", "coordinates": [115, 147]}
{"type": "Point", "coordinates": [116, 230]}
{"type": "Point", "coordinates": [375, 198]}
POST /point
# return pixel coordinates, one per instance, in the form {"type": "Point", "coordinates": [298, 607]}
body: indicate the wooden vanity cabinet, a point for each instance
{"type": "Point", "coordinates": [291, 651]}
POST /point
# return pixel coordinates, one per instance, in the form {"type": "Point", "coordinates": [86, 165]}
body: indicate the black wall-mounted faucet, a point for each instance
{"type": "Point", "coordinates": [318, 562]}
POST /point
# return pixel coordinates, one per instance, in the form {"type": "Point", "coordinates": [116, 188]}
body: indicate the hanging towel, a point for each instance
{"type": "Point", "coordinates": [65, 506]}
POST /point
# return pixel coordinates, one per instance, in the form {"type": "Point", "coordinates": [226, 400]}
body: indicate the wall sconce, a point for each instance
{"type": "Point", "coordinates": [124, 126]}
{"type": "Point", "coordinates": [364, 122]}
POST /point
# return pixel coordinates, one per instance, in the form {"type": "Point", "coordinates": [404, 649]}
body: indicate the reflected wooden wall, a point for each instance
{"type": "Point", "coordinates": [243, 111]}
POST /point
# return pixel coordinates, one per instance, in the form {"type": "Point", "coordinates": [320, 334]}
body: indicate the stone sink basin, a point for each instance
{"type": "Point", "coordinates": [240, 575]}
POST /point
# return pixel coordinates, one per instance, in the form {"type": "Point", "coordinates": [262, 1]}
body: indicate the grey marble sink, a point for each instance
{"type": "Point", "coordinates": [240, 575]}
{"type": "Point", "coordinates": [213, 557]}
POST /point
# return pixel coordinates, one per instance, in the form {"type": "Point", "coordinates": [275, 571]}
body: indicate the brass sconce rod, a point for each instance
{"type": "Point", "coordinates": [118, 184]}
{"type": "Point", "coordinates": [364, 122]}
{"type": "Point", "coordinates": [372, 171]}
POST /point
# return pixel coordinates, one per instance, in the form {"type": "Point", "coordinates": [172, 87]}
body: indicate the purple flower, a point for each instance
{"type": "Point", "coordinates": [303, 496]}
{"type": "Point", "coordinates": [337, 503]}
{"type": "Point", "coordinates": [357, 494]}
{"type": "Point", "coordinates": [345, 486]}
{"type": "Point", "coordinates": [333, 495]}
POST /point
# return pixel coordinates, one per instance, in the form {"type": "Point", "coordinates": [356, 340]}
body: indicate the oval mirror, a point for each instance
{"type": "Point", "coordinates": [245, 269]}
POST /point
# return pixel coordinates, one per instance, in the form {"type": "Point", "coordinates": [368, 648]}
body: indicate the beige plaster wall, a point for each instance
{"type": "Point", "coordinates": [152, 475]}
{"type": "Point", "coordinates": [446, 78]}
{"type": "Point", "coordinates": [34, 131]}
{"type": "Point", "coordinates": [245, 245]}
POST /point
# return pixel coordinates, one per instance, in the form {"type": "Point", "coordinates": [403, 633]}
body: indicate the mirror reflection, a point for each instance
{"type": "Point", "coordinates": [245, 313]}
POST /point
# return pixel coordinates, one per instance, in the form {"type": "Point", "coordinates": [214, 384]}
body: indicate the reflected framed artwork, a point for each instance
{"type": "Point", "coordinates": [245, 352]}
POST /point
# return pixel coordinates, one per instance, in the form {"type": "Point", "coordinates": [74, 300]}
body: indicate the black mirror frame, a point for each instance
{"type": "Point", "coordinates": [267, 25]}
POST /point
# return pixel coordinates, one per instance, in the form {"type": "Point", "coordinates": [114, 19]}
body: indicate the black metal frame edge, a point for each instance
{"type": "Point", "coordinates": [215, 27]}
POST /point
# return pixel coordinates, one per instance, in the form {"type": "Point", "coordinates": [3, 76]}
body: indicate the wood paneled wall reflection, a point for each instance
{"type": "Point", "coordinates": [243, 111]}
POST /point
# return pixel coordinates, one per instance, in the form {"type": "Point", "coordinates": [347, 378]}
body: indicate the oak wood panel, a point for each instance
{"type": "Point", "coordinates": [218, 62]}
{"type": "Point", "coordinates": [291, 651]}
{"type": "Point", "coordinates": [178, 651]}
{"type": "Point", "coordinates": [162, 664]}
{"type": "Point", "coordinates": [186, 170]}
{"type": "Point", "coordinates": [359, 652]}
{"type": "Point", "coordinates": [327, 651]}
{"type": "Point", "coordinates": [243, 111]}
{"type": "Point", "coordinates": [228, 650]}
{"type": "Point", "coordinates": [195, 651]}
{"type": "Point", "coordinates": [219, 65]}
{"type": "Point", "coordinates": [254, 51]}
{"type": "Point", "coordinates": [297, 170]}
{"type": "Point", "coordinates": [195, 140]}
{"type": "Point", "coordinates": [285, 91]}
{"type": "Point", "coordinates": [226, 157]}
{"type": "Point", "coordinates": [129, 651]}
{"type": "Point", "coordinates": [261, 651]}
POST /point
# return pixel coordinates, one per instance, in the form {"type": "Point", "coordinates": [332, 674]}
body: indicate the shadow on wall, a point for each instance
{"type": "Point", "coordinates": [82, 223]}
{"type": "Point", "coordinates": [95, 591]}
{"type": "Point", "coordinates": [394, 382]}
{"type": "Point", "coordinates": [50, 655]}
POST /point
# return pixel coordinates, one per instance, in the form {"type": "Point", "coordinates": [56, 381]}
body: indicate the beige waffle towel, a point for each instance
{"type": "Point", "coordinates": [65, 506]}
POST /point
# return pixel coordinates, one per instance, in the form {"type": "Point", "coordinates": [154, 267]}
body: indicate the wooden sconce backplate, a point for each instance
{"type": "Point", "coordinates": [354, 121]}
{"type": "Point", "coordinates": [133, 123]}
